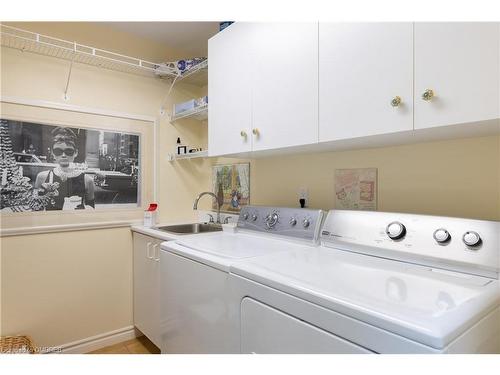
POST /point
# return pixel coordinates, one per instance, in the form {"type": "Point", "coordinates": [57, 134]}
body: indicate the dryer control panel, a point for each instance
{"type": "Point", "coordinates": [463, 245]}
{"type": "Point", "coordinates": [297, 223]}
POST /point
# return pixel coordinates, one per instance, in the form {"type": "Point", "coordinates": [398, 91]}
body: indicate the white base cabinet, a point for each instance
{"type": "Point", "coordinates": [147, 286]}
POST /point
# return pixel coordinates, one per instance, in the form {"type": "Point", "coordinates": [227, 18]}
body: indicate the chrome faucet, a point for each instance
{"type": "Point", "coordinates": [195, 206]}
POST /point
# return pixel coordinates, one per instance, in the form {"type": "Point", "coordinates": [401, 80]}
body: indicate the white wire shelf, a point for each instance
{"type": "Point", "coordinates": [197, 75]}
{"type": "Point", "coordinates": [28, 41]}
{"type": "Point", "coordinates": [199, 113]}
{"type": "Point", "coordinates": [193, 155]}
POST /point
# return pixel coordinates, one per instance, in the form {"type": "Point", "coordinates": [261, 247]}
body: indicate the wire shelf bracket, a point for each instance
{"type": "Point", "coordinates": [196, 75]}
{"type": "Point", "coordinates": [65, 96]}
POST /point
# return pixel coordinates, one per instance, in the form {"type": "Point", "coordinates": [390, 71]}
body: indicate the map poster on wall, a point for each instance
{"type": "Point", "coordinates": [356, 189]}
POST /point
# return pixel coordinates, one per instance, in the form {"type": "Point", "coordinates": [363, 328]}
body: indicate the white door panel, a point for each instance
{"type": "Point", "coordinates": [229, 90]}
{"type": "Point", "coordinates": [285, 85]}
{"type": "Point", "coordinates": [154, 294]}
{"type": "Point", "coordinates": [143, 281]}
{"type": "Point", "coordinates": [460, 63]}
{"type": "Point", "coordinates": [362, 67]}
{"type": "Point", "coordinates": [147, 286]}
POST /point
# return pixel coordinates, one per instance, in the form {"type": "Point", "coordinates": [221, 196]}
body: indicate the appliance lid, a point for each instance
{"type": "Point", "coordinates": [220, 249]}
{"type": "Point", "coordinates": [427, 305]}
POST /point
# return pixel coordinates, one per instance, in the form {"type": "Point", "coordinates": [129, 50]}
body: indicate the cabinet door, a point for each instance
{"type": "Point", "coordinates": [154, 303]}
{"type": "Point", "coordinates": [362, 68]}
{"type": "Point", "coordinates": [146, 286]}
{"type": "Point", "coordinates": [229, 91]}
{"type": "Point", "coordinates": [459, 62]}
{"type": "Point", "coordinates": [285, 85]}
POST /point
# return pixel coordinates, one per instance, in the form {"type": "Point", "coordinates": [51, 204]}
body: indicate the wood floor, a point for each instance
{"type": "Point", "coordinates": [139, 345]}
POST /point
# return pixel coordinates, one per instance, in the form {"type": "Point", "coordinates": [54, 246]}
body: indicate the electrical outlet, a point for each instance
{"type": "Point", "coordinates": [304, 193]}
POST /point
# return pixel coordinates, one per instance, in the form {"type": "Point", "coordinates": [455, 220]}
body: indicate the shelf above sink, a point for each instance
{"type": "Point", "coordinates": [192, 155]}
{"type": "Point", "coordinates": [198, 113]}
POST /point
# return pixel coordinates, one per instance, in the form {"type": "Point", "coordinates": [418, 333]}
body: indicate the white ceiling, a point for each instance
{"type": "Point", "coordinates": [189, 37]}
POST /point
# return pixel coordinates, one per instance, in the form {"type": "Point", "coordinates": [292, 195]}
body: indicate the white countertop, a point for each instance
{"type": "Point", "coordinates": [160, 234]}
{"type": "Point", "coordinates": [168, 236]}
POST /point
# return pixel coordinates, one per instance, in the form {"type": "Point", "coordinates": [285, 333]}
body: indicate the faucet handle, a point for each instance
{"type": "Point", "coordinates": [211, 218]}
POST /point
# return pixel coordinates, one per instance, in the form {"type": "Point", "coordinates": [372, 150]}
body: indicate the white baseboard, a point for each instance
{"type": "Point", "coordinates": [92, 343]}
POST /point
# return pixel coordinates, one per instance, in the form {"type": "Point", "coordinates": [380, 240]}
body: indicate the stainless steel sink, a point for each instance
{"type": "Point", "coordinates": [191, 228]}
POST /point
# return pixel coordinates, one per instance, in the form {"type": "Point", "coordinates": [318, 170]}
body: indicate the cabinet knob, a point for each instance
{"type": "Point", "coordinates": [428, 95]}
{"type": "Point", "coordinates": [256, 132]}
{"type": "Point", "coordinates": [396, 101]}
{"type": "Point", "coordinates": [243, 133]}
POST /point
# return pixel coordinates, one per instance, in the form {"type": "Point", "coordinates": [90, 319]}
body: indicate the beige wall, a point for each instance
{"type": "Point", "coordinates": [451, 178]}
{"type": "Point", "coordinates": [68, 286]}
{"type": "Point", "coordinates": [459, 177]}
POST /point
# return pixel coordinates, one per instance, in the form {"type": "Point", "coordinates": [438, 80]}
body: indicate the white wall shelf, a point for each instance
{"type": "Point", "coordinates": [28, 41]}
{"type": "Point", "coordinates": [197, 75]}
{"type": "Point", "coordinates": [199, 113]}
{"type": "Point", "coordinates": [192, 155]}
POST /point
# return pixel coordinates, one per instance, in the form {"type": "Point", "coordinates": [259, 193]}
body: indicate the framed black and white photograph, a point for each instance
{"type": "Point", "coordinates": [69, 166]}
{"type": "Point", "coordinates": [47, 167]}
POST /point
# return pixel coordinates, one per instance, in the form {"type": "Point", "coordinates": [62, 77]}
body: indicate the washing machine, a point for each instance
{"type": "Point", "coordinates": [199, 312]}
{"type": "Point", "coordinates": [379, 283]}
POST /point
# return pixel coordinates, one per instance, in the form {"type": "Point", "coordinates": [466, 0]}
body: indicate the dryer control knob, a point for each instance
{"type": "Point", "coordinates": [441, 235]}
{"type": "Point", "coordinates": [293, 221]}
{"type": "Point", "coordinates": [272, 219]}
{"type": "Point", "coordinates": [472, 239]}
{"type": "Point", "coordinates": [245, 216]}
{"type": "Point", "coordinates": [306, 222]}
{"type": "Point", "coordinates": [254, 217]}
{"type": "Point", "coordinates": [395, 230]}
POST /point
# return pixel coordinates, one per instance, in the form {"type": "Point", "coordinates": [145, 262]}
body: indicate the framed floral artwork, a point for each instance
{"type": "Point", "coordinates": [231, 184]}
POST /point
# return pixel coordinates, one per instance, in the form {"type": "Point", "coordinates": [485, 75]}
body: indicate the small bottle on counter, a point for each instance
{"type": "Point", "coordinates": [150, 215]}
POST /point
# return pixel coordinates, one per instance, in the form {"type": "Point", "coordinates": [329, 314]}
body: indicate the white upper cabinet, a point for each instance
{"type": "Point", "coordinates": [262, 87]}
{"type": "Point", "coordinates": [457, 68]}
{"type": "Point", "coordinates": [284, 85]}
{"type": "Point", "coordinates": [365, 79]}
{"type": "Point", "coordinates": [229, 90]}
